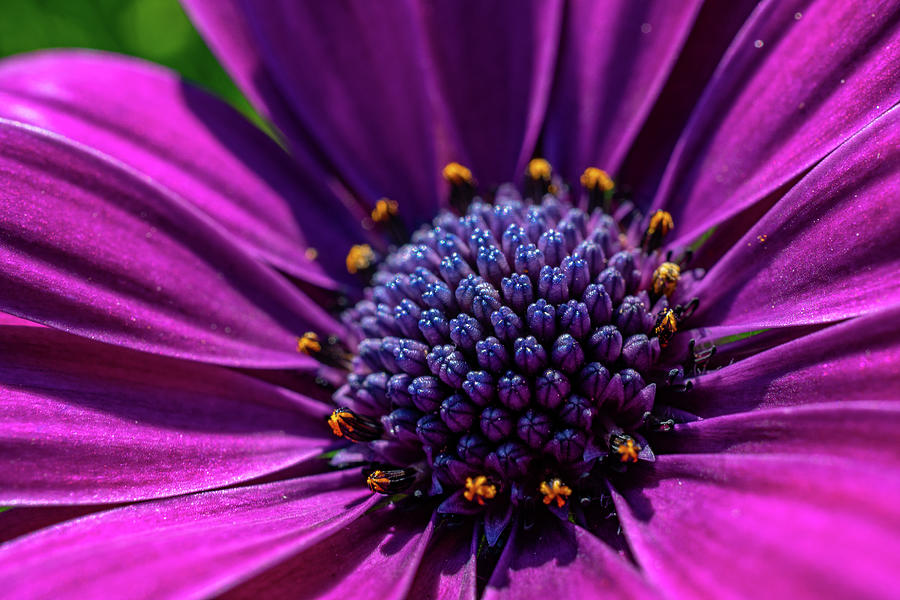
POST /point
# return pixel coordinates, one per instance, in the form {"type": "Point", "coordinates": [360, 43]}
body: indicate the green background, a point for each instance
{"type": "Point", "coordinates": [156, 30]}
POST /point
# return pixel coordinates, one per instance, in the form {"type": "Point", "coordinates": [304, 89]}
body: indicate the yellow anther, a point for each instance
{"type": "Point", "coordinates": [457, 174]}
{"type": "Point", "coordinates": [666, 326]}
{"type": "Point", "coordinates": [309, 343]}
{"type": "Point", "coordinates": [555, 490]}
{"type": "Point", "coordinates": [340, 421]}
{"type": "Point", "coordinates": [384, 210]}
{"type": "Point", "coordinates": [360, 258]}
{"type": "Point", "coordinates": [347, 424]}
{"type": "Point", "coordinates": [311, 254]}
{"type": "Point", "coordinates": [539, 168]}
{"type": "Point", "coordinates": [661, 224]}
{"type": "Point", "coordinates": [478, 489]}
{"type": "Point", "coordinates": [628, 450]}
{"type": "Point", "coordinates": [665, 278]}
{"type": "Point", "coordinates": [378, 482]}
{"type": "Point", "coordinates": [597, 179]}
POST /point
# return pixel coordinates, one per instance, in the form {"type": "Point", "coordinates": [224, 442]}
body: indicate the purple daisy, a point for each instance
{"type": "Point", "coordinates": [423, 346]}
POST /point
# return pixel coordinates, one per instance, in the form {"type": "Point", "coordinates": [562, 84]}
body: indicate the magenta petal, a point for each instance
{"type": "Point", "coordinates": [190, 142]}
{"type": "Point", "coordinates": [494, 63]}
{"type": "Point", "coordinates": [802, 526]}
{"type": "Point", "coordinates": [614, 59]}
{"type": "Point", "coordinates": [375, 557]}
{"type": "Point", "coordinates": [855, 360]}
{"type": "Point", "coordinates": [83, 423]}
{"type": "Point", "coordinates": [448, 571]}
{"type": "Point", "coordinates": [799, 79]}
{"type": "Point", "coordinates": [556, 559]}
{"type": "Point", "coordinates": [802, 430]}
{"type": "Point", "coordinates": [90, 247]}
{"type": "Point", "coordinates": [191, 546]}
{"type": "Point", "coordinates": [826, 251]}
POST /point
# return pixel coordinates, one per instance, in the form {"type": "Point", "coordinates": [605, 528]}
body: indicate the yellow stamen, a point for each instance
{"type": "Point", "coordinates": [661, 223]}
{"type": "Point", "coordinates": [665, 278]}
{"type": "Point", "coordinates": [384, 210]}
{"type": "Point", "coordinates": [457, 174]}
{"type": "Point", "coordinates": [666, 326]}
{"type": "Point", "coordinates": [555, 490]}
{"type": "Point", "coordinates": [360, 257]}
{"type": "Point", "coordinates": [338, 419]}
{"type": "Point", "coordinates": [629, 450]}
{"type": "Point", "coordinates": [378, 482]}
{"type": "Point", "coordinates": [597, 179]}
{"type": "Point", "coordinates": [309, 343]}
{"type": "Point", "coordinates": [539, 168]}
{"type": "Point", "coordinates": [311, 254]}
{"type": "Point", "coordinates": [479, 489]}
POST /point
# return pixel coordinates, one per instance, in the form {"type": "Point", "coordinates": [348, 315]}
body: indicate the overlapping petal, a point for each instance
{"type": "Point", "coordinates": [396, 90]}
{"type": "Point", "coordinates": [799, 79]}
{"type": "Point", "coordinates": [191, 546]}
{"type": "Point", "coordinates": [493, 63]}
{"type": "Point", "coordinates": [91, 247]}
{"type": "Point", "coordinates": [556, 559]}
{"type": "Point", "coordinates": [780, 498]}
{"type": "Point", "coordinates": [373, 558]}
{"type": "Point", "coordinates": [83, 423]}
{"type": "Point", "coordinates": [852, 361]}
{"type": "Point", "coordinates": [448, 569]}
{"type": "Point", "coordinates": [192, 143]}
{"type": "Point", "coordinates": [614, 59]}
{"type": "Point", "coordinates": [826, 251]}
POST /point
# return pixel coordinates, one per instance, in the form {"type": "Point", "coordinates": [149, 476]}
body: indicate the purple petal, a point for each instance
{"type": "Point", "coordinates": [614, 59]}
{"type": "Point", "coordinates": [345, 79]}
{"type": "Point", "coordinates": [824, 252]}
{"type": "Point", "coordinates": [555, 559]}
{"type": "Point", "coordinates": [798, 80]}
{"type": "Point", "coordinates": [715, 27]}
{"type": "Point", "coordinates": [447, 571]}
{"type": "Point", "coordinates": [802, 525]}
{"type": "Point", "coordinates": [494, 64]}
{"type": "Point", "coordinates": [392, 92]}
{"type": "Point", "coordinates": [191, 143]}
{"type": "Point", "coordinates": [85, 423]}
{"type": "Point", "coordinates": [91, 247]}
{"type": "Point", "coordinates": [191, 546]}
{"type": "Point", "coordinates": [375, 558]}
{"type": "Point", "coordinates": [855, 360]}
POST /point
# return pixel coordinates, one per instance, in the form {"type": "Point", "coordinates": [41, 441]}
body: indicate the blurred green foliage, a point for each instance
{"type": "Point", "coordinates": [157, 30]}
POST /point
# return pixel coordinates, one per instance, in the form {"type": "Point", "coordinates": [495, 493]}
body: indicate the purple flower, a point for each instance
{"type": "Point", "coordinates": [225, 370]}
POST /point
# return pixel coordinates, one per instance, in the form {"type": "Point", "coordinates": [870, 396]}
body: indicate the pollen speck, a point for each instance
{"type": "Point", "coordinates": [596, 179]}
{"type": "Point", "coordinates": [378, 482]}
{"type": "Point", "coordinates": [359, 258]}
{"type": "Point", "coordinates": [309, 343]}
{"type": "Point", "coordinates": [336, 421]}
{"type": "Point", "coordinates": [479, 488]}
{"type": "Point", "coordinates": [666, 326]}
{"type": "Point", "coordinates": [555, 490]}
{"type": "Point", "coordinates": [628, 450]}
{"type": "Point", "coordinates": [311, 254]}
{"type": "Point", "coordinates": [457, 174]}
{"type": "Point", "coordinates": [660, 225]}
{"type": "Point", "coordinates": [384, 210]}
{"type": "Point", "coordinates": [665, 278]}
{"type": "Point", "coordinates": [539, 169]}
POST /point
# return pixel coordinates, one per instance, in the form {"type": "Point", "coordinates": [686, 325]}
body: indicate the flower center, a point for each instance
{"type": "Point", "coordinates": [509, 354]}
